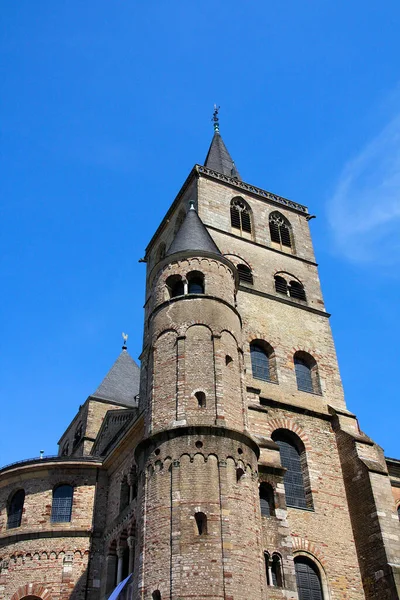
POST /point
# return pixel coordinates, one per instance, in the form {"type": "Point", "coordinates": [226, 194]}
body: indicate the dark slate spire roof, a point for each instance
{"type": "Point", "coordinates": [121, 384]}
{"type": "Point", "coordinates": [192, 235]}
{"type": "Point", "coordinates": [219, 159]}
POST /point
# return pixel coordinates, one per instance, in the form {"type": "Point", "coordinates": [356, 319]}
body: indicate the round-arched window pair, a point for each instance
{"type": "Point", "coordinates": [193, 284]}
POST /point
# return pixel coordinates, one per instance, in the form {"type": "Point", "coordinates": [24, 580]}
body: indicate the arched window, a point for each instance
{"type": "Point", "coordinates": [306, 373]}
{"type": "Point", "coordinates": [195, 282]}
{"type": "Point", "coordinates": [296, 290]}
{"type": "Point", "coordinates": [398, 511]}
{"type": "Point", "coordinates": [308, 579]}
{"type": "Point", "coordinates": [276, 571]}
{"type": "Point", "coordinates": [281, 285]}
{"type": "Point", "coordinates": [267, 568]}
{"type": "Point", "coordinates": [280, 230]}
{"type": "Point", "coordinates": [245, 274]}
{"type": "Point", "coordinates": [240, 215]}
{"type": "Point", "coordinates": [293, 459]}
{"type": "Point", "coordinates": [15, 508]}
{"type": "Point", "coordinates": [156, 595]}
{"type": "Point", "coordinates": [201, 523]}
{"type": "Point", "coordinates": [201, 399]}
{"type": "Point", "coordinates": [61, 508]}
{"type": "Point", "coordinates": [263, 364]}
{"type": "Point", "coordinates": [175, 286]}
{"type": "Point", "coordinates": [239, 474]}
{"type": "Point", "coordinates": [267, 504]}
{"type": "Point", "coordinates": [124, 494]}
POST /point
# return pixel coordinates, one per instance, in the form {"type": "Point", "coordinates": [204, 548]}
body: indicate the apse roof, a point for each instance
{"type": "Point", "coordinates": [121, 384]}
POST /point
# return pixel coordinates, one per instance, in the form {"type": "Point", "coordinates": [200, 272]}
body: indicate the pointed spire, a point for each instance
{"type": "Point", "coordinates": [218, 158]}
{"type": "Point", "coordinates": [192, 235]}
{"type": "Point", "coordinates": [121, 384]}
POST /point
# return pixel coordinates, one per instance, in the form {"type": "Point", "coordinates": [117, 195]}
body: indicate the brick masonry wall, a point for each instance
{"type": "Point", "coordinates": [48, 555]}
{"type": "Point", "coordinates": [198, 473]}
{"type": "Point", "coordinates": [327, 527]}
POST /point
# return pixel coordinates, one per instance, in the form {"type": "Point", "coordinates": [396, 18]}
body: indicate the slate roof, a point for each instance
{"type": "Point", "coordinates": [192, 235]}
{"type": "Point", "coordinates": [121, 384]}
{"type": "Point", "coordinates": [219, 159]}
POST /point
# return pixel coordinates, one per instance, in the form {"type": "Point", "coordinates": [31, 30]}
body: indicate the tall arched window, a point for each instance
{"type": "Point", "coordinates": [240, 215]}
{"type": "Point", "coordinates": [61, 508]}
{"type": "Point", "coordinates": [195, 282]}
{"type": "Point", "coordinates": [398, 511]}
{"type": "Point", "coordinates": [306, 373]}
{"type": "Point", "coordinates": [263, 364]}
{"type": "Point", "coordinates": [245, 274]}
{"type": "Point", "coordinates": [293, 459]}
{"type": "Point", "coordinates": [280, 230]}
{"type": "Point", "coordinates": [15, 508]}
{"type": "Point", "coordinates": [276, 571]}
{"type": "Point", "coordinates": [267, 504]}
{"type": "Point", "coordinates": [308, 579]}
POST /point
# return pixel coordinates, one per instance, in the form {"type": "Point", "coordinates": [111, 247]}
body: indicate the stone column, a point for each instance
{"type": "Point", "coordinates": [111, 564]}
{"type": "Point", "coordinates": [120, 554]}
{"type": "Point", "coordinates": [131, 482]}
{"type": "Point", "coordinates": [131, 546]}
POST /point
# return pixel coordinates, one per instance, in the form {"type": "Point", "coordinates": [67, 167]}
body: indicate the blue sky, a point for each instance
{"type": "Point", "coordinates": [105, 108]}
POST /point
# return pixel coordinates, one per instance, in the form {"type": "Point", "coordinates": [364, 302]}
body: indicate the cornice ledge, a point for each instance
{"type": "Point", "coordinates": [252, 189]}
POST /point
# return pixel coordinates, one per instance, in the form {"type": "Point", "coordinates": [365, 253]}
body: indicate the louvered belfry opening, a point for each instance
{"type": "Point", "coordinates": [15, 509]}
{"type": "Point", "coordinates": [240, 215]}
{"type": "Point", "coordinates": [281, 285]}
{"type": "Point", "coordinates": [296, 290]}
{"type": "Point", "coordinates": [61, 508]}
{"type": "Point", "coordinates": [280, 230]}
{"type": "Point", "coordinates": [308, 579]}
{"type": "Point", "coordinates": [245, 274]}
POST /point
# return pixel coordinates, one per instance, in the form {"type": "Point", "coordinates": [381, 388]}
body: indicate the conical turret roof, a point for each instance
{"type": "Point", "coordinates": [219, 159]}
{"type": "Point", "coordinates": [192, 235]}
{"type": "Point", "coordinates": [121, 384]}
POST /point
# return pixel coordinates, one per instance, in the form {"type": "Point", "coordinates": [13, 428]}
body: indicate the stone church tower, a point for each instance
{"type": "Point", "coordinates": [236, 471]}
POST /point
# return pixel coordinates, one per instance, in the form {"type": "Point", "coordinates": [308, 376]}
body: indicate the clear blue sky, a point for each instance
{"type": "Point", "coordinates": [106, 106]}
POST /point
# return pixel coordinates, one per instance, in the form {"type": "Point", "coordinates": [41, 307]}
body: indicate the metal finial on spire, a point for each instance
{"type": "Point", "coordinates": [125, 338]}
{"type": "Point", "coordinates": [215, 118]}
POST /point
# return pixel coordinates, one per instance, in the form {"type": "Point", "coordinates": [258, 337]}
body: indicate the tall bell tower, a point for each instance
{"type": "Point", "coordinates": [249, 456]}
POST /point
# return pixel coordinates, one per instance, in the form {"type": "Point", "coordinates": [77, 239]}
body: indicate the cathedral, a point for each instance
{"type": "Point", "coordinates": [227, 466]}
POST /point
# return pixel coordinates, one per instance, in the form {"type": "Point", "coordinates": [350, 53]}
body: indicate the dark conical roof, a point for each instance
{"type": "Point", "coordinates": [192, 235]}
{"type": "Point", "coordinates": [219, 159]}
{"type": "Point", "coordinates": [121, 384]}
